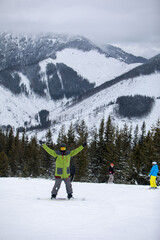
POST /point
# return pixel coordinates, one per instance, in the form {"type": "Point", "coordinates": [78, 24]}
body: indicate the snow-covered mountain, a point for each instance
{"type": "Point", "coordinates": [57, 66]}
{"type": "Point", "coordinates": [22, 49]}
{"type": "Point", "coordinates": [41, 75]}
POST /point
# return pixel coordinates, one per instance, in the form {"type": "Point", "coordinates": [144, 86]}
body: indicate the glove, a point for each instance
{"type": "Point", "coordinates": [41, 142]}
{"type": "Point", "coordinates": [84, 144]}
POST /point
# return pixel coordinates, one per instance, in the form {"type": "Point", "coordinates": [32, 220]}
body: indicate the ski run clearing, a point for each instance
{"type": "Point", "coordinates": [109, 211]}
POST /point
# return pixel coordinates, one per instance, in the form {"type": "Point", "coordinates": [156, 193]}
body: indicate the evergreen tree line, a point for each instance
{"type": "Point", "coordinates": [134, 106]}
{"type": "Point", "coordinates": [131, 150]}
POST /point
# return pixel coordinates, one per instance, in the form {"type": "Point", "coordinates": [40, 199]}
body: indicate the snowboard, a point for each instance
{"type": "Point", "coordinates": [62, 199]}
{"type": "Point", "coordinates": [151, 188]}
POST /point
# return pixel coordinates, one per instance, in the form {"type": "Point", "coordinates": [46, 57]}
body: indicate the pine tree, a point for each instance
{"type": "Point", "coordinates": [93, 157]}
{"type": "Point", "coordinates": [119, 155]}
{"type": "Point", "coordinates": [101, 152]}
{"type": "Point", "coordinates": [82, 157]}
{"type": "Point", "coordinates": [138, 159]}
{"type": "Point", "coordinates": [143, 134]}
{"type": "Point", "coordinates": [17, 156]}
{"type": "Point", "coordinates": [34, 159]}
{"type": "Point", "coordinates": [13, 155]}
{"type": "Point", "coordinates": [24, 155]}
{"type": "Point", "coordinates": [109, 154]}
{"type": "Point", "coordinates": [156, 141]}
{"type": "Point", "coordinates": [11, 152]}
{"type": "Point", "coordinates": [4, 165]}
{"type": "Point", "coordinates": [71, 137]}
{"type": "Point", "coordinates": [71, 142]}
{"type": "Point", "coordinates": [148, 151]}
{"type": "Point", "coordinates": [136, 165]}
{"type": "Point", "coordinates": [123, 145]}
{"type": "Point", "coordinates": [3, 140]}
{"type": "Point", "coordinates": [47, 161]}
{"type": "Point", "coordinates": [10, 137]}
{"type": "Point", "coordinates": [135, 140]}
{"type": "Point", "coordinates": [48, 136]}
{"type": "Point", "coordinates": [62, 136]}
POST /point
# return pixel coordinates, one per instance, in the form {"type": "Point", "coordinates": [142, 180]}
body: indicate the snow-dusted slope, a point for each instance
{"type": "Point", "coordinates": [15, 110]}
{"type": "Point", "coordinates": [93, 109]}
{"type": "Point", "coordinates": [110, 211]}
{"type": "Point", "coordinates": [92, 65]}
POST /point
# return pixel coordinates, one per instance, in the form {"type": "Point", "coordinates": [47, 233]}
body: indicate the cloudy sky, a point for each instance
{"type": "Point", "coordinates": [132, 25]}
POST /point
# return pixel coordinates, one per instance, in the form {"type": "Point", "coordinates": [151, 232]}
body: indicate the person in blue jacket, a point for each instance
{"type": "Point", "coordinates": [153, 174]}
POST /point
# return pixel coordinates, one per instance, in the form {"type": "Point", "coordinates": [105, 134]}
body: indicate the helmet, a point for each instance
{"type": "Point", "coordinates": [112, 165]}
{"type": "Point", "coordinates": [154, 163]}
{"type": "Point", "coordinates": [63, 147]}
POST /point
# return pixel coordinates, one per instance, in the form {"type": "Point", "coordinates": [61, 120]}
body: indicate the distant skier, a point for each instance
{"type": "Point", "coordinates": [62, 170]}
{"type": "Point", "coordinates": [111, 173]}
{"type": "Point", "coordinates": [72, 171]}
{"type": "Point", "coordinates": [153, 175]}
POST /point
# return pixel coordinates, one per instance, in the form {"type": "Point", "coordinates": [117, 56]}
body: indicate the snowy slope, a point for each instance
{"type": "Point", "coordinates": [93, 109]}
{"type": "Point", "coordinates": [144, 85]}
{"type": "Point", "coordinates": [92, 65]}
{"type": "Point", "coordinates": [15, 110]}
{"type": "Point", "coordinates": [119, 212]}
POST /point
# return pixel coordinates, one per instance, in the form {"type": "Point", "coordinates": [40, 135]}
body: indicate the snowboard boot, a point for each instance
{"type": "Point", "coordinates": [53, 196]}
{"type": "Point", "coordinates": [70, 196]}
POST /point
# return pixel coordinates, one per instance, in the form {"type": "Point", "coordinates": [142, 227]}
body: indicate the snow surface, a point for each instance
{"type": "Point", "coordinates": [92, 65]}
{"type": "Point", "coordinates": [110, 211]}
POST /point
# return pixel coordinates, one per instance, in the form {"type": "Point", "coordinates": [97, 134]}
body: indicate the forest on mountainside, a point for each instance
{"type": "Point", "coordinates": [134, 106]}
{"type": "Point", "coordinates": [131, 150]}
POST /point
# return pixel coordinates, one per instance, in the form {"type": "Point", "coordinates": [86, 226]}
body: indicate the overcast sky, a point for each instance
{"type": "Point", "coordinates": [132, 25]}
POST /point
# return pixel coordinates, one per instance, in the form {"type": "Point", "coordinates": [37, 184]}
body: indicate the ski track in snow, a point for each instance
{"type": "Point", "coordinates": [110, 211]}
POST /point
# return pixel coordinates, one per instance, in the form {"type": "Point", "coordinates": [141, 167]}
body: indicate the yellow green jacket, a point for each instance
{"type": "Point", "coordinates": [62, 160]}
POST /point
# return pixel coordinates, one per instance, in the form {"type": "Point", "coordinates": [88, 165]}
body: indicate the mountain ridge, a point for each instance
{"type": "Point", "coordinates": [117, 52]}
{"type": "Point", "coordinates": [21, 49]}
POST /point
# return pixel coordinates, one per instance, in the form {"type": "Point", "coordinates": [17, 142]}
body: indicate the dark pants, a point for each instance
{"type": "Point", "coordinates": [57, 185]}
{"type": "Point", "coordinates": [111, 178]}
{"type": "Point", "coordinates": [72, 177]}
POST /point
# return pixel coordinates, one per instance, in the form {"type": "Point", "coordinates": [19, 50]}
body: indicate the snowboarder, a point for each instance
{"type": "Point", "coordinates": [62, 169]}
{"type": "Point", "coordinates": [111, 173]}
{"type": "Point", "coordinates": [72, 172]}
{"type": "Point", "coordinates": [153, 175]}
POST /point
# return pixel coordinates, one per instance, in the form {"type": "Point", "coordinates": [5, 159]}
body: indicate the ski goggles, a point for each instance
{"type": "Point", "coordinates": [63, 148]}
